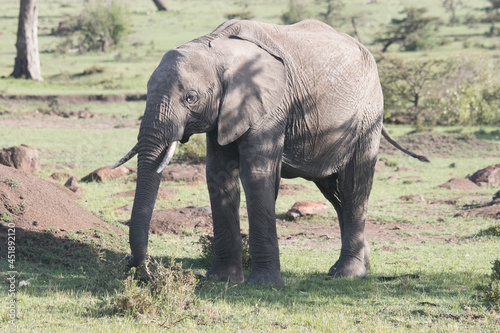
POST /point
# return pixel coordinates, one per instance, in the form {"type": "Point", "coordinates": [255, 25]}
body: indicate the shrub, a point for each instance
{"type": "Point", "coordinates": [496, 195]}
{"type": "Point", "coordinates": [159, 293]}
{"type": "Point", "coordinates": [208, 254]}
{"type": "Point", "coordinates": [99, 25]}
{"type": "Point", "coordinates": [241, 15]}
{"type": "Point", "coordinates": [492, 290]}
{"type": "Point", "coordinates": [110, 21]}
{"type": "Point", "coordinates": [297, 11]}
{"type": "Point", "coordinates": [461, 91]}
{"type": "Point", "coordinates": [194, 150]}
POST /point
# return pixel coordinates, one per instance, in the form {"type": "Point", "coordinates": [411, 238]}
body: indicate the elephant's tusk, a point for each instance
{"type": "Point", "coordinates": [168, 157]}
{"type": "Point", "coordinates": [127, 157]}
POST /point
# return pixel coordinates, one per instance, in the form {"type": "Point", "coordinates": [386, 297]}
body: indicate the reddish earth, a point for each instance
{"type": "Point", "coordinates": [460, 184]}
{"type": "Point", "coordinates": [175, 220]}
{"type": "Point", "coordinates": [489, 209]}
{"type": "Point", "coordinates": [37, 204]}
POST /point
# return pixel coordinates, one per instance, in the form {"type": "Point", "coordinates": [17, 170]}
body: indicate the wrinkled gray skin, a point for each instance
{"type": "Point", "coordinates": [274, 101]}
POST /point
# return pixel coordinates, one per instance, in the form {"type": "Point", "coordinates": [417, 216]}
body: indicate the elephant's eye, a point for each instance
{"type": "Point", "coordinates": [191, 97]}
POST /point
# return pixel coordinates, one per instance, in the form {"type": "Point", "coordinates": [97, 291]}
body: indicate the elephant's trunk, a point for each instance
{"type": "Point", "coordinates": [148, 180]}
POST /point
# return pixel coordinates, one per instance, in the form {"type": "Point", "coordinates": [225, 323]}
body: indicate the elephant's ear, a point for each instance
{"type": "Point", "coordinates": [254, 84]}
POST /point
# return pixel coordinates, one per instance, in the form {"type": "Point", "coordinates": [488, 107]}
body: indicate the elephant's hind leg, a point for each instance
{"type": "Point", "coordinates": [348, 191]}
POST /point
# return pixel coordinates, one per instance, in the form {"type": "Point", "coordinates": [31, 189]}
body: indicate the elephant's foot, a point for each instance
{"type": "Point", "coordinates": [265, 277]}
{"type": "Point", "coordinates": [233, 273]}
{"type": "Point", "coordinates": [349, 267]}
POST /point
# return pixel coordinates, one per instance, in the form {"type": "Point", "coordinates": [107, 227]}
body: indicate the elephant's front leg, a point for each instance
{"type": "Point", "coordinates": [224, 190]}
{"type": "Point", "coordinates": [260, 175]}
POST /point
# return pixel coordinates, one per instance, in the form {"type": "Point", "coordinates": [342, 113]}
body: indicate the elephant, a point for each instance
{"type": "Point", "coordinates": [274, 101]}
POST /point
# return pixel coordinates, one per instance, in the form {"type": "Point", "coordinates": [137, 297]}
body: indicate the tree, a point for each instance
{"type": "Point", "coordinates": [493, 11]}
{"type": "Point", "coordinates": [297, 11]}
{"type": "Point", "coordinates": [452, 6]}
{"type": "Point", "coordinates": [160, 5]}
{"type": "Point", "coordinates": [333, 9]}
{"type": "Point", "coordinates": [412, 32]}
{"type": "Point", "coordinates": [405, 83]}
{"type": "Point", "coordinates": [27, 63]}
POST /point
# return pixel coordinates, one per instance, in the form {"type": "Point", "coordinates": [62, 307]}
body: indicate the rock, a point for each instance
{"type": "Point", "coordinates": [106, 173]}
{"type": "Point", "coordinates": [188, 173]}
{"type": "Point", "coordinates": [413, 197]}
{"type": "Point", "coordinates": [489, 176]}
{"type": "Point", "coordinates": [21, 157]}
{"type": "Point", "coordinates": [72, 184]}
{"type": "Point", "coordinates": [304, 208]}
{"type": "Point", "coordinates": [460, 184]}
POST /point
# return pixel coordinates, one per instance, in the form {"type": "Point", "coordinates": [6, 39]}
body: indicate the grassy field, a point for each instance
{"type": "Point", "coordinates": [426, 264]}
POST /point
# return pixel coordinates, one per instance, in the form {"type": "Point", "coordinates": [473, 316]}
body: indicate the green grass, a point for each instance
{"type": "Point", "coordinates": [451, 256]}
{"type": "Point", "coordinates": [435, 268]}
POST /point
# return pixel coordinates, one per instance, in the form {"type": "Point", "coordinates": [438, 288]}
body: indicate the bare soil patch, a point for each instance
{"type": "Point", "coordinates": [38, 204]}
{"type": "Point", "coordinates": [287, 188]}
{"type": "Point", "coordinates": [490, 209]}
{"type": "Point", "coordinates": [175, 220]}
{"type": "Point", "coordinates": [76, 99]}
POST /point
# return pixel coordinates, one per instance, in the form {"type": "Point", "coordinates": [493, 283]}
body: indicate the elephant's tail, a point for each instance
{"type": "Point", "coordinates": [393, 142]}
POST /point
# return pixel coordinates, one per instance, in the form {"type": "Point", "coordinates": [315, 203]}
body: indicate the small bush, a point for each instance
{"type": "Point", "coordinates": [496, 195]}
{"type": "Point", "coordinates": [491, 231]}
{"type": "Point", "coordinates": [297, 11]}
{"type": "Point", "coordinates": [492, 290]}
{"type": "Point", "coordinates": [99, 25]}
{"type": "Point", "coordinates": [101, 20]}
{"type": "Point", "coordinates": [193, 151]}
{"type": "Point", "coordinates": [163, 294]}
{"type": "Point", "coordinates": [242, 15]}
{"type": "Point", "coordinates": [208, 254]}
{"type": "Point", "coordinates": [93, 70]}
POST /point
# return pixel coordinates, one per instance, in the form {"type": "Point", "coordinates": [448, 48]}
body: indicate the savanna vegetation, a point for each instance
{"type": "Point", "coordinates": [433, 269]}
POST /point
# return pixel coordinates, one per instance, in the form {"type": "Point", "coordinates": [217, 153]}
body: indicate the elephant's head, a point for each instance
{"type": "Point", "coordinates": [215, 83]}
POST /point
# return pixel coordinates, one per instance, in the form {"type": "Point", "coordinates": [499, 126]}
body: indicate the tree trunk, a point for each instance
{"type": "Point", "coordinates": [355, 27]}
{"type": "Point", "coordinates": [27, 63]}
{"type": "Point", "coordinates": [160, 5]}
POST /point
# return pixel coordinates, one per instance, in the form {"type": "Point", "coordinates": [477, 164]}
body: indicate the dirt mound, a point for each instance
{"type": "Point", "coordinates": [38, 204]}
{"type": "Point", "coordinates": [490, 210]}
{"type": "Point", "coordinates": [449, 145]}
{"type": "Point", "coordinates": [175, 220]}
{"type": "Point", "coordinates": [460, 184]}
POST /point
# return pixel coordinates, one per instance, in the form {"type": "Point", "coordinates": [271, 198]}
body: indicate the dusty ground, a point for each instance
{"type": "Point", "coordinates": [38, 204]}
